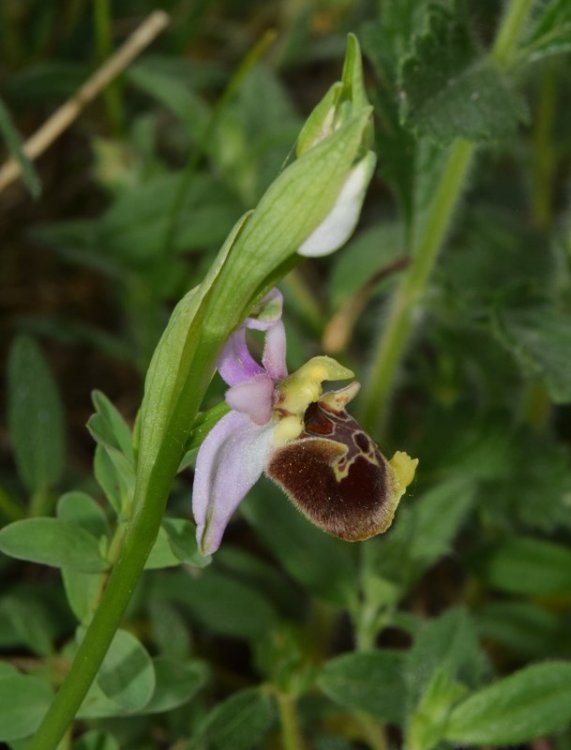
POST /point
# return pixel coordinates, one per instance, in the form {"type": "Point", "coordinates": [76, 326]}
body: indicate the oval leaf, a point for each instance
{"type": "Point", "coordinates": [530, 703]}
{"type": "Point", "coordinates": [529, 566]}
{"type": "Point", "coordinates": [50, 541]}
{"type": "Point", "coordinates": [24, 701]}
{"type": "Point", "coordinates": [127, 675]}
{"type": "Point", "coordinates": [35, 416]}
{"type": "Point", "coordinates": [241, 721]}
{"type": "Point", "coordinates": [371, 681]}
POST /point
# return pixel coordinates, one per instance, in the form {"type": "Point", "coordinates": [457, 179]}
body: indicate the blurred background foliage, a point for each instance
{"type": "Point", "coordinates": [289, 631]}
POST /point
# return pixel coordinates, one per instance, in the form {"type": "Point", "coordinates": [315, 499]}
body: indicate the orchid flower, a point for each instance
{"type": "Point", "coordinates": [303, 439]}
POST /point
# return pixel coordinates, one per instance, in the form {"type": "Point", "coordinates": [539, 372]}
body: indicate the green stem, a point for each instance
{"type": "Point", "coordinates": [41, 503]}
{"type": "Point", "coordinates": [150, 500]}
{"type": "Point", "coordinates": [9, 507]}
{"type": "Point", "coordinates": [398, 326]}
{"type": "Point", "coordinates": [291, 737]}
{"type": "Point", "coordinates": [112, 95]}
{"type": "Point", "coordinates": [373, 733]}
{"type": "Point", "coordinates": [543, 154]}
{"type": "Point", "coordinates": [249, 61]}
{"type": "Point", "coordinates": [510, 30]}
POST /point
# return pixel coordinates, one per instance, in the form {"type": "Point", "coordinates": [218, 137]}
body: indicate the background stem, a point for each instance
{"type": "Point", "coordinates": [288, 719]}
{"type": "Point", "coordinates": [397, 330]}
{"type": "Point", "coordinates": [112, 95]}
{"type": "Point", "coordinates": [398, 326]}
{"type": "Point", "coordinates": [510, 30]}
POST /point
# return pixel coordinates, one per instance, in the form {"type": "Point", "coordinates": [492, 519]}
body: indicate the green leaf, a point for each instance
{"type": "Point", "coordinates": [169, 629]}
{"type": "Point", "coordinates": [240, 722]}
{"type": "Point", "coordinates": [174, 94]}
{"type": "Point", "coordinates": [530, 703]}
{"type": "Point", "coordinates": [222, 604]}
{"type": "Point", "coordinates": [324, 565]}
{"type": "Point", "coordinates": [372, 681]}
{"type": "Point", "coordinates": [108, 426]}
{"type": "Point", "coordinates": [422, 533]}
{"type": "Point", "coordinates": [35, 416]}
{"type": "Point", "coordinates": [449, 91]}
{"type": "Point", "coordinates": [134, 228]}
{"type": "Point", "coordinates": [182, 540]}
{"type": "Point", "coordinates": [176, 544]}
{"type": "Point", "coordinates": [81, 589]}
{"type": "Point", "coordinates": [16, 149]}
{"type": "Point", "coordinates": [115, 475]}
{"type": "Point", "coordinates": [438, 515]}
{"type": "Point", "coordinates": [24, 700]}
{"type": "Point", "coordinates": [550, 33]}
{"type": "Point", "coordinates": [262, 574]}
{"type": "Point", "coordinates": [29, 622]}
{"type": "Point", "coordinates": [366, 254]}
{"type": "Point", "coordinates": [427, 722]}
{"type": "Point", "coordinates": [249, 143]}
{"type": "Point", "coordinates": [522, 628]}
{"type": "Point", "coordinates": [50, 541]}
{"type": "Point", "coordinates": [448, 643]}
{"type": "Point", "coordinates": [48, 79]}
{"type": "Point", "coordinates": [127, 675]}
{"type": "Point", "coordinates": [177, 682]}
{"type": "Point", "coordinates": [96, 741]}
{"type": "Point", "coordinates": [82, 509]}
{"type": "Point", "coordinates": [525, 565]}
{"type": "Point", "coordinates": [540, 340]}
{"type": "Point", "coordinates": [386, 42]}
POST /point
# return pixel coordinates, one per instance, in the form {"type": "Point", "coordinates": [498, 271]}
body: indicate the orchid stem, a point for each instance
{"type": "Point", "coordinates": [149, 505]}
{"type": "Point", "coordinates": [399, 326]}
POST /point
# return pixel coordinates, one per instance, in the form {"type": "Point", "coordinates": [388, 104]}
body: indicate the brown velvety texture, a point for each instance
{"type": "Point", "coordinates": [336, 475]}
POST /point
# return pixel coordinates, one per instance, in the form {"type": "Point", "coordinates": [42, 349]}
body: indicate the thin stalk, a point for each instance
{"type": "Point", "coordinates": [249, 61]}
{"type": "Point", "coordinates": [10, 508]}
{"type": "Point", "coordinates": [291, 737]}
{"type": "Point", "coordinates": [510, 29]}
{"type": "Point", "coordinates": [112, 95]}
{"type": "Point", "coordinates": [41, 503]}
{"type": "Point", "coordinates": [543, 154]}
{"type": "Point", "coordinates": [151, 496]}
{"type": "Point", "coordinates": [396, 334]}
{"type": "Point", "coordinates": [398, 326]}
{"type": "Point", "coordinates": [373, 733]}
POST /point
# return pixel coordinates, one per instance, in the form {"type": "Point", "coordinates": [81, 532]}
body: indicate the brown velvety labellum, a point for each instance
{"type": "Point", "coordinates": [336, 475]}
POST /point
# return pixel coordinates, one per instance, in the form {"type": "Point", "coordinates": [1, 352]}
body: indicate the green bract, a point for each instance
{"type": "Point", "coordinates": [302, 204]}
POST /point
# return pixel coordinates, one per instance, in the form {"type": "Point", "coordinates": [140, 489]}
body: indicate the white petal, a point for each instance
{"type": "Point", "coordinates": [338, 225]}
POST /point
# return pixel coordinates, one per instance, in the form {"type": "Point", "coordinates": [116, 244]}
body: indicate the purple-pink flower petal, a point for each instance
{"type": "Point", "coordinates": [230, 461]}
{"type": "Point", "coordinates": [271, 308]}
{"type": "Point", "coordinates": [253, 397]}
{"type": "Point", "coordinates": [235, 363]}
{"type": "Point", "coordinates": [274, 357]}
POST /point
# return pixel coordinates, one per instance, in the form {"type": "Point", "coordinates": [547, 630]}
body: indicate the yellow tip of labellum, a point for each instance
{"type": "Point", "coordinates": [404, 468]}
{"type": "Point", "coordinates": [336, 475]}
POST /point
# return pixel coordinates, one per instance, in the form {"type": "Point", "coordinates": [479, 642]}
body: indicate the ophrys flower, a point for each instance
{"type": "Point", "coordinates": [302, 438]}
